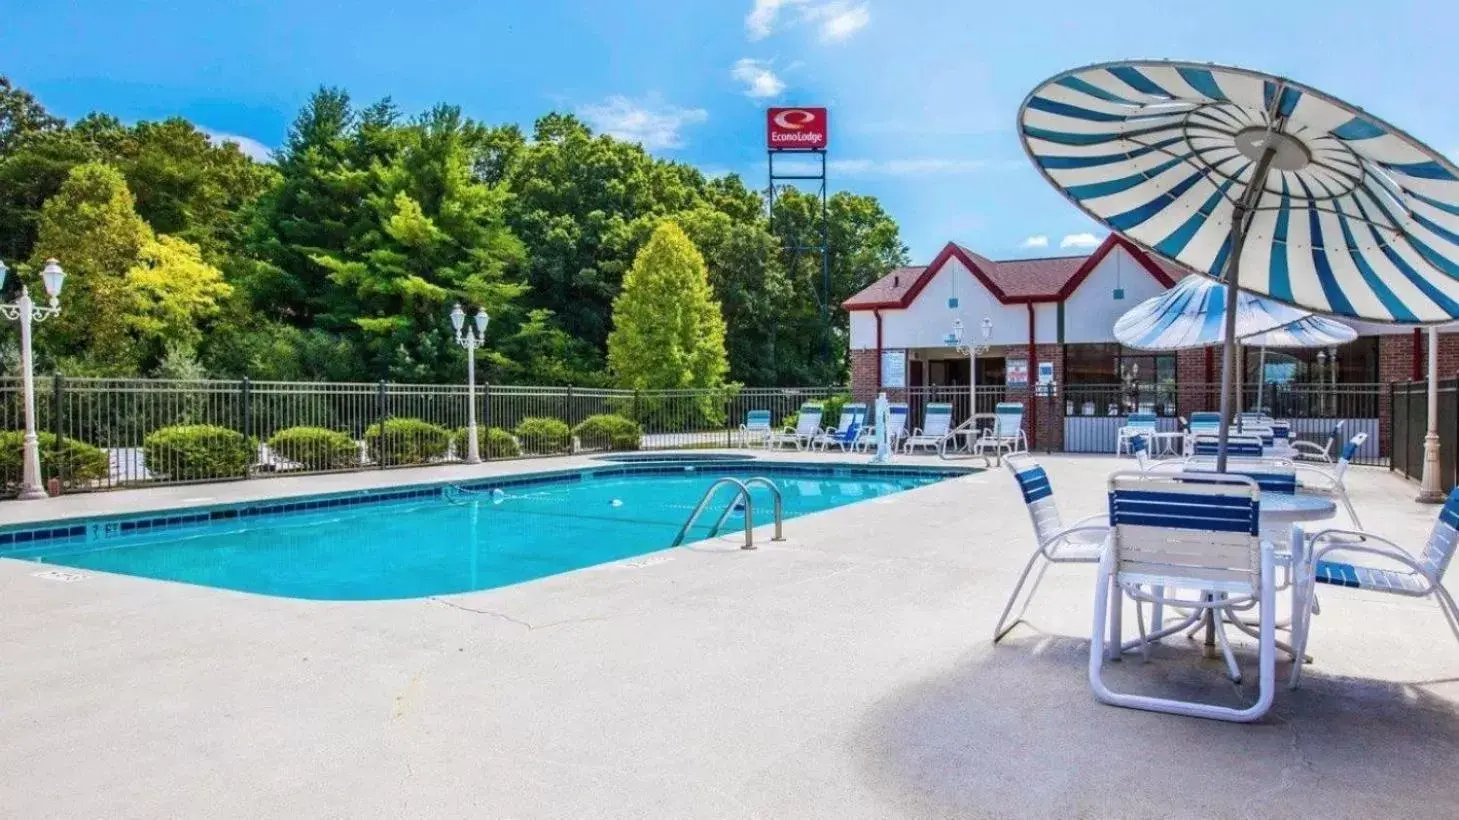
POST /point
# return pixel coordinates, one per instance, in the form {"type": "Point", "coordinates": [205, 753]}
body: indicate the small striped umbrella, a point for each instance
{"type": "Point", "coordinates": [1259, 181]}
{"type": "Point", "coordinates": [1193, 314]}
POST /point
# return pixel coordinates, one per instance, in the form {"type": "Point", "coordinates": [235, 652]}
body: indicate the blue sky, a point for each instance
{"type": "Point", "coordinates": [923, 93]}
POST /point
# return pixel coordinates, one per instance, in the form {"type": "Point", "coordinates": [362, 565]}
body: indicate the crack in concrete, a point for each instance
{"type": "Point", "coordinates": [474, 611]}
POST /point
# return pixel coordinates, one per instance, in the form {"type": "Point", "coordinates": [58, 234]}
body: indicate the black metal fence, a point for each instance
{"type": "Point", "coordinates": [100, 433]}
{"type": "Point", "coordinates": [1411, 424]}
{"type": "Point", "coordinates": [1092, 415]}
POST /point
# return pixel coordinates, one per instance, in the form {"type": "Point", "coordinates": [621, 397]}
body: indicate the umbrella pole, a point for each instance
{"type": "Point", "coordinates": [1260, 377]}
{"type": "Point", "coordinates": [1239, 225]}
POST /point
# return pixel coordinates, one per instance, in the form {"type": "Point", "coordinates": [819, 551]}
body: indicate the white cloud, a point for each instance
{"type": "Point", "coordinates": [248, 145]}
{"type": "Point", "coordinates": [1079, 240]}
{"type": "Point", "coordinates": [1035, 241]}
{"type": "Point", "coordinates": [760, 82]}
{"type": "Point", "coordinates": [835, 20]}
{"type": "Point", "coordinates": [839, 20]}
{"type": "Point", "coordinates": [651, 122]}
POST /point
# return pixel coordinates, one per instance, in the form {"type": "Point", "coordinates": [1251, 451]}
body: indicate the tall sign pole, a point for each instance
{"type": "Point", "coordinates": [803, 132]}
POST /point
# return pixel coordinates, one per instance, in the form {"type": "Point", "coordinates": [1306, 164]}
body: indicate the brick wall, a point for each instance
{"type": "Point", "coordinates": [1448, 354]}
{"type": "Point", "coordinates": [865, 374]}
{"type": "Point", "coordinates": [1049, 432]}
{"type": "Point", "coordinates": [1395, 364]}
{"type": "Point", "coordinates": [1192, 384]}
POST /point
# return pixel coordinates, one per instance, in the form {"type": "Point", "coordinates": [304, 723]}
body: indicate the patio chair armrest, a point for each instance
{"type": "Point", "coordinates": [1088, 518]}
{"type": "Point", "coordinates": [1055, 538]}
{"type": "Point", "coordinates": [1298, 444]}
{"type": "Point", "coordinates": [1312, 469]}
{"type": "Point", "coordinates": [1384, 548]}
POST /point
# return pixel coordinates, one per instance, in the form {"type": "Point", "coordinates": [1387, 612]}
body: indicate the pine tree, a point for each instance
{"type": "Point", "coordinates": [667, 329]}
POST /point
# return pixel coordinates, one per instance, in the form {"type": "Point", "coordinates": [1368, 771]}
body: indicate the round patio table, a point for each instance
{"type": "Point", "coordinates": [1278, 509]}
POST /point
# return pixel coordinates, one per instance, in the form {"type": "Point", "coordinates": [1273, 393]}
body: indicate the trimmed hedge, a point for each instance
{"type": "Point", "coordinates": [316, 448]}
{"type": "Point", "coordinates": [608, 431]}
{"type": "Point", "coordinates": [407, 441]}
{"type": "Point", "coordinates": [543, 436]}
{"type": "Point", "coordinates": [74, 462]}
{"type": "Point", "coordinates": [184, 452]}
{"type": "Point", "coordinates": [493, 441]}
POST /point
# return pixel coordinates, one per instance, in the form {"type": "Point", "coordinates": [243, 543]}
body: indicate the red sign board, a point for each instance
{"type": "Point", "coordinates": [796, 128]}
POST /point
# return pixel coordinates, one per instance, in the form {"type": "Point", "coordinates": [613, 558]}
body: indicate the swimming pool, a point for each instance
{"type": "Point", "coordinates": [422, 540]}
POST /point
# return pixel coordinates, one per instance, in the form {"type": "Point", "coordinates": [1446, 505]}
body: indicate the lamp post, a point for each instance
{"type": "Point", "coordinates": [470, 340]}
{"type": "Point", "coordinates": [1321, 382]}
{"type": "Point", "coordinates": [26, 311]}
{"type": "Point", "coordinates": [972, 350]}
{"type": "Point", "coordinates": [1429, 490]}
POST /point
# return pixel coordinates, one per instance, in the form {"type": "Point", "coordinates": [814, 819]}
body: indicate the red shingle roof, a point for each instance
{"type": "Point", "coordinates": [1050, 279]}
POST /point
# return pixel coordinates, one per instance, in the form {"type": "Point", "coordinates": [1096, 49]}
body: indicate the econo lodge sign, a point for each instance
{"type": "Point", "coordinates": [796, 128]}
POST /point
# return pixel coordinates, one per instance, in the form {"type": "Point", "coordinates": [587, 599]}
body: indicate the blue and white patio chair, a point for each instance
{"type": "Point", "coordinates": [1136, 424]}
{"type": "Point", "coordinates": [807, 428]}
{"type": "Point", "coordinates": [1236, 446]}
{"type": "Point", "coordinates": [1191, 542]}
{"type": "Point", "coordinates": [936, 425]}
{"type": "Point", "coordinates": [1253, 419]}
{"type": "Point", "coordinates": [1317, 481]}
{"type": "Point", "coordinates": [1200, 424]}
{"type": "Point", "coordinates": [1055, 543]}
{"type": "Point", "coordinates": [847, 429]}
{"type": "Point", "coordinates": [1308, 451]}
{"type": "Point", "coordinates": [1007, 434]}
{"type": "Point", "coordinates": [1417, 576]}
{"type": "Point", "coordinates": [756, 428]}
{"type": "Point", "coordinates": [897, 413]}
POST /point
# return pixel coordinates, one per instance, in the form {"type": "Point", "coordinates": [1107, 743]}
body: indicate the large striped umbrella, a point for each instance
{"type": "Point", "coordinates": [1259, 181]}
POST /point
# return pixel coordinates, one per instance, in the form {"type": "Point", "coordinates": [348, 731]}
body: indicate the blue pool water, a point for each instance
{"type": "Point", "coordinates": [438, 539]}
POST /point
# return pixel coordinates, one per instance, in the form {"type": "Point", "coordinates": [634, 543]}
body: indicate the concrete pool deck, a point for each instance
{"type": "Point", "coordinates": [844, 673]}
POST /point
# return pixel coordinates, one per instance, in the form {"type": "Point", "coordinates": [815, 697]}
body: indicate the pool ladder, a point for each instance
{"type": "Point", "coordinates": [742, 491]}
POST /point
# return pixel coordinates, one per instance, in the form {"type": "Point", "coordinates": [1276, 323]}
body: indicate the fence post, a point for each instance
{"type": "Point", "coordinates": [246, 391]}
{"type": "Point", "coordinates": [636, 416]}
{"type": "Point", "coordinates": [56, 405]}
{"type": "Point", "coordinates": [570, 422]}
{"type": "Point", "coordinates": [380, 439]}
{"type": "Point", "coordinates": [486, 418]}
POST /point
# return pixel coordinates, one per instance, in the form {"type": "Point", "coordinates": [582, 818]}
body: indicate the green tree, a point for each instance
{"type": "Point", "coordinates": [93, 228]}
{"type": "Point", "coordinates": [667, 328]}
{"type": "Point", "coordinates": [21, 117]}
{"type": "Point", "coordinates": [170, 293]}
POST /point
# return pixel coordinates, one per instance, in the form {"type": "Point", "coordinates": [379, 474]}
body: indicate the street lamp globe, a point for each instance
{"type": "Point", "coordinates": [3, 271]}
{"type": "Point", "coordinates": [54, 278]}
{"type": "Point", "coordinates": [987, 326]}
{"type": "Point", "coordinates": [481, 320]}
{"type": "Point", "coordinates": [458, 318]}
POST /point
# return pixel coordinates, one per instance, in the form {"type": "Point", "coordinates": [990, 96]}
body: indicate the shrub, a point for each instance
{"type": "Point", "coordinates": [493, 441]}
{"type": "Point", "coordinates": [184, 452]}
{"type": "Point", "coordinates": [316, 448]}
{"type": "Point", "coordinates": [74, 462]}
{"type": "Point", "coordinates": [542, 436]}
{"type": "Point", "coordinates": [607, 431]}
{"type": "Point", "coordinates": [407, 441]}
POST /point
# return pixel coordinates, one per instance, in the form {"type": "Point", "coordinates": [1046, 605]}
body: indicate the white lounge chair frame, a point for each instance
{"type": "Point", "coordinates": [1079, 543]}
{"type": "Point", "coordinates": [1422, 576]}
{"type": "Point", "coordinates": [1007, 435]}
{"type": "Point", "coordinates": [847, 430]}
{"type": "Point", "coordinates": [897, 413]}
{"type": "Point", "coordinates": [1136, 424]}
{"type": "Point", "coordinates": [937, 418]}
{"type": "Point", "coordinates": [756, 428]}
{"type": "Point", "coordinates": [1333, 484]}
{"type": "Point", "coordinates": [807, 427]}
{"type": "Point", "coordinates": [1307, 450]}
{"type": "Point", "coordinates": [1197, 533]}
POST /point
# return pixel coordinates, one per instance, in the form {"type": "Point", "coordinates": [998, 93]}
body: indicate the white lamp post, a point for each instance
{"type": "Point", "coordinates": [1429, 490]}
{"type": "Point", "coordinates": [27, 312]}
{"type": "Point", "coordinates": [470, 340]}
{"type": "Point", "coordinates": [972, 350]}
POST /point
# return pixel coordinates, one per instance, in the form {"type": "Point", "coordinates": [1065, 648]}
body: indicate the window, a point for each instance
{"type": "Point", "coordinates": [1111, 364]}
{"type": "Point", "coordinates": [1357, 363]}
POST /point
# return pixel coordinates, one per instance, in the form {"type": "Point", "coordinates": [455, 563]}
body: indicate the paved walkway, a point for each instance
{"type": "Point", "coordinates": [846, 673]}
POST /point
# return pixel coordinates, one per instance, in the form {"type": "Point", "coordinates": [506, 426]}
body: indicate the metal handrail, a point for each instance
{"type": "Point", "coordinates": [779, 509]}
{"type": "Point", "coordinates": [742, 491]}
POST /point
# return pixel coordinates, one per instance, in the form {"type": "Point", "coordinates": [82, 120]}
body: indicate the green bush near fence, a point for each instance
{"type": "Point", "coordinates": [543, 436]}
{"type": "Point", "coordinates": [608, 432]}
{"type": "Point", "coordinates": [186, 452]}
{"type": "Point", "coordinates": [407, 441]}
{"type": "Point", "coordinates": [316, 448]}
{"type": "Point", "coordinates": [74, 462]}
{"type": "Point", "coordinates": [493, 441]}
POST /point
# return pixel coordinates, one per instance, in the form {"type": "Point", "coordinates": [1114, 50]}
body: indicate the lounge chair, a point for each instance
{"type": "Point", "coordinates": [1171, 535]}
{"type": "Point", "coordinates": [1055, 543]}
{"type": "Point", "coordinates": [1007, 433]}
{"type": "Point", "coordinates": [1420, 576]}
{"type": "Point", "coordinates": [896, 428]}
{"type": "Point", "coordinates": [756, 428]}
{"type": "Point", "coordinates": [936, 424]}
{"type": "Point", "coordinates": [848, 427]}
{"type": "Point", "coordinates": [1136, 424]}
{"type": "Point", "coordinates": [1317, 481]}
{"type": "Point", "coordinates": [1308, 451]}
{"type": "Point", "coordinates": [1201, 424]}
{"type": "Point", "coordinates": [1236, 446]}
{"type": "Point", "coordinates": [807, 428]}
